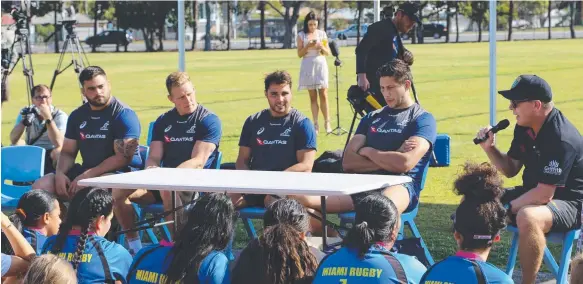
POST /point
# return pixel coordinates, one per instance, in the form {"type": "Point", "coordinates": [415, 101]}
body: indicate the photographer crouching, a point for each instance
{"type": "Point", "coordinates": [44, 125]}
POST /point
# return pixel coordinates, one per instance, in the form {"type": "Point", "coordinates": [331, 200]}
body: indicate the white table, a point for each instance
{"type": "Point", "coordinates": [248, 182]}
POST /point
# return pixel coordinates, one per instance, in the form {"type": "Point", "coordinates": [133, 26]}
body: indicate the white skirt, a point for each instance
{"type": "Point", "coordinates": [313, 73]}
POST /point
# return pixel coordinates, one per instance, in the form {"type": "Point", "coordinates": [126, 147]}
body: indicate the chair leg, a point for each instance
{"type": "Point", "coordinates": [416, 234]}
{"type": "Point", "coordinates": [512, 256]}
{"type": "Point", "coordinates": [249, 228]}
{"type": "Point", "coordinates": [565, 257]}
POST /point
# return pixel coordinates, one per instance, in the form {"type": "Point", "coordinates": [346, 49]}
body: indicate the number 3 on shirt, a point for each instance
{"type": "Point", "coordinates": [343, 281]}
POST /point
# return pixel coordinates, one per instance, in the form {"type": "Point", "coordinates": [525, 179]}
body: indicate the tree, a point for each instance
{"type": "Point", "coordinates": [549, 8]}
{"type": "Point", "coordinates": [147, 16]}
{"type": "Point", "coordinates": [193, 21]}
{"type": "Point", "coordinates": [290, 18]}
{"type": "Point", "coordinates": [229, 24]}
{"type": "Point", "coordinates": [510, 15]}
{"type": "Point", "coordinates": [207, 37]}
{"type": "Point", "coordinates": [262, 24]}
{"type": "Point", "coordinates": [572, 18]}
{"type": "Point", "coordinates": [475, 11]}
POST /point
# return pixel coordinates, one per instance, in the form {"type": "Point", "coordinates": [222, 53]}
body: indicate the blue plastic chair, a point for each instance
{"type": "Point", "coordinates": [560, 272]}
{"type": "Point", "coordinates": [407, 219]}
{"type": "Point", "coordinates": [20, 164]}
{"type": "Point", "coordinates": [150, 131]}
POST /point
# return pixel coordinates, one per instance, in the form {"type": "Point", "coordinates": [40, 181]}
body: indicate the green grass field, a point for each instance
{"type": "Point", "coordinates": [451, 80]}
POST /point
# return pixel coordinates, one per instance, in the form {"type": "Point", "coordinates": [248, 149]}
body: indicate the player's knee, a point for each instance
{"type": "Point", "coordinates": [121, 195]}
{"type": "Point", "coordinates": [165, 195]}
{"type": "Point", "coordinates": [527, 219]}
{"type": "Point", "coordinates": [46, 182]}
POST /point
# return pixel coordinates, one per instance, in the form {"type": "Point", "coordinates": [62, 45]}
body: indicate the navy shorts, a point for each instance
{"type": "Point", "coordinates": [566, 213]}
{"type": "Point", "coordinates": [410, 186]}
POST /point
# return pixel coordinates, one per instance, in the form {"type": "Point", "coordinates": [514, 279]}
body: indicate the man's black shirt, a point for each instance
{"type": "Point", "coordinates": [554, 156]}
{"type": "Point", "coordinates": [380, 45]}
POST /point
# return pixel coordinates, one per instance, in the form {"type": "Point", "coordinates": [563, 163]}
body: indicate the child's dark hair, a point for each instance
{"type": "Point", "coordinates": [376, 220]}
{"type": "Point", "coordinates": [311, 16]}
{"type": "Point", "coordinates": [32, 206]}
{"type": "Point", "coordinates": [86, 206]}
{"type": "Point", "coordinates": [279, 256]}
{"type": "Point", "coordinates": [209, 228]}
{"type": "Point", "coordinates": [481, 215]}
{"type": "Point", "coordinates": [287, 211]}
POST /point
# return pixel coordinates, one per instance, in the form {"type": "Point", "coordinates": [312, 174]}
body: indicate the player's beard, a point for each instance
{"type": "Point", "coordinates": [99, 101]}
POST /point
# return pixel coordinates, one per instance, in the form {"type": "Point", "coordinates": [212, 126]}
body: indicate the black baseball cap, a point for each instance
{"type": "Point", "coordinates": [529, 87]}
{"type": "Point", "coordinates": [411, 10]}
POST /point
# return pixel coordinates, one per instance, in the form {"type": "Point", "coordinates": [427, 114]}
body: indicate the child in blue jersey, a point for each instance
{"type": "Point", "coordinates": [37, 217]}
{"type": "Point", "coordinates": [479, 219]}
{"type": "Point", "coordinates": [197, 255]}
{"type": "Point", "coordinates": [80, 240]}
{"type": "Point", "coordinates": [279, 256]}
{"type": "Point", "coordinates": [365, 256]}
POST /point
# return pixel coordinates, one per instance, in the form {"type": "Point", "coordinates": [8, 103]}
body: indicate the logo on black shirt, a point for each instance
{"type": "Point", "coordinates": [385, 131]}
{"type": "Point", "coordinates": [82, 124]}
{"type": "Point", "coordinates": [177, 139]}
{"type": "Point", "coordinates": [260, 130]}
{"type": "Point", "coordinates": [105, 126]}
{"type": "Point", "coordinates": [270, 142]}
{"type": "Point", "coordinates": [286, 132]}
{"type": "Point", "coordinates": [192, 129]}
{"type": "Point", "coordinates": [91, 136]}
{"type": "Point", "coordinates": [168, 128]}
{"type": "Point", "coordinates": [553, 168]}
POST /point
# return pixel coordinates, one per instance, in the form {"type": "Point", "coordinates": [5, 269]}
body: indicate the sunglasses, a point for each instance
{"type": "Point", "coordinates": [515, 103]}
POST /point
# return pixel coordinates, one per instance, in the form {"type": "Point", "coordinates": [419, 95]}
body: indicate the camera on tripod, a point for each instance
{"type": "Point", "coordinates": [28, 115]}
{"type": "Point", "coordinates": [20, 19]}
{"type": "Point", "coordinates": [69, 26]}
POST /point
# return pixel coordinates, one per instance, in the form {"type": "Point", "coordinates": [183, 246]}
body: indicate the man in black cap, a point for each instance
{"type": "Point", "coordinates": [381, 44]}
{"type": "Point", "coordinates": [551, 150]}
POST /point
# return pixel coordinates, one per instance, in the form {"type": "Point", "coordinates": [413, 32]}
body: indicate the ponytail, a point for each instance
{"type": "Point", "coordinates": [32, 206]}
{"type": "Point", "coordinates": [376, 221]}
{"type": "Point", "coordinates": [87, 205]}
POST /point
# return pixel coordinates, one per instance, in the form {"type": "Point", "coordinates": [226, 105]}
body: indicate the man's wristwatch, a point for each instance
{"type": "Point", "coordinates": [48, 121]}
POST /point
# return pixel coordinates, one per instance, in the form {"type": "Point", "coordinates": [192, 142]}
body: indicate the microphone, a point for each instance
{"type": "Point", "coordinates": [503, 124]}
{"type": "Point", "coordinates": [334, 48]}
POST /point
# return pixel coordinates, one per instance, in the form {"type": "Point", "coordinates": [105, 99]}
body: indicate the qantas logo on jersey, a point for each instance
{"type": "Point", "coordinates": [385, 131]}
{"type": "Point", "coordinates": [270, 142]}
{"type": "Point", "coordinates": [178, 139]}
{"type": "Point", "coordinates": [91, 136]}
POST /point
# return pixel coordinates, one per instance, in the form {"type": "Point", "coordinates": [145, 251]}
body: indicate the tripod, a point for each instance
{"type": "Point", "coordinates": [24, 54]}
{"type": "Point", "coordinates": [338, 130]}
{"type": "Point", "coordinates": [78, 55]}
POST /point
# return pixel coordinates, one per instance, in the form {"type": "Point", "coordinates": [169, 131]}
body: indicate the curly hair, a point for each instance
{"type": "Point", "coordinates": [481, 215]}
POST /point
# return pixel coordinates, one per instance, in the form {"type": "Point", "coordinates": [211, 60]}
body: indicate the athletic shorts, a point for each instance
{"type": "Point", "coordinates": [566, 213]}
{"type": "Point", "coordinates": [411, 189]}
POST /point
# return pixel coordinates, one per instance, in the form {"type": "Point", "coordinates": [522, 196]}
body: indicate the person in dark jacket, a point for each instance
{"type": "Point", "coordinates": [381, 44]}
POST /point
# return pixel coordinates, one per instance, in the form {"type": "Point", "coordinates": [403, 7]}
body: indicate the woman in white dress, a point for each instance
{"type": "Point", "coordinates": [312, 49]}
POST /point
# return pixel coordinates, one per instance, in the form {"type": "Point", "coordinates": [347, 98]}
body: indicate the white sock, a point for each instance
{"type": "Point", "coordinates": [135, 245]}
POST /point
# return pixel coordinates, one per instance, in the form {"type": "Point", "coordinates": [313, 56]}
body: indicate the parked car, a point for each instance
{"type": "Point", "coordinates": [109, 37]}
{"type": "Point", "coordinates": [435, 31]}
{"type": "Point", "coordinates": [351, 32]}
